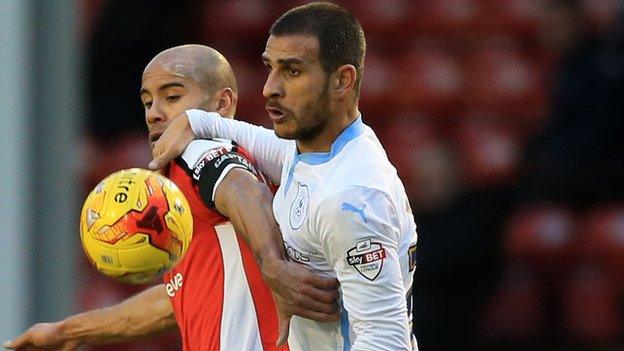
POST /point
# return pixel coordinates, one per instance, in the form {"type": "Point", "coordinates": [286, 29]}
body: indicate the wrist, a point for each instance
{"type": "Point", "coordinates": [75, 329]}
{"type": "Point", "coordinates": [271, 267]}
{"type": "Point", "coordinates": [195, 120]}
{"type": "Point", "coordinates": [63, 331]}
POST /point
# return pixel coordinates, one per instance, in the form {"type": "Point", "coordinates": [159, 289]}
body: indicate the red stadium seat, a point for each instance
{"type": "Point", "coordinates": [500, 79]}
{"type": "Point", "coordinates": [429, 77]}
{"type": "Point", "coordinates": [515, 311]}
{"type": "Point", "coordinates": [446, 17]}
{"type": "Point", "coordinates": [378, 93]}
{"type": "Point", "coordinates": [602, 14]}
{"type": "Point", "coordinates": [542, 236]}
{"type": "Point", "coordinates": [591, 308]}
{"type": "Point", "coordinates": [489, 151]}
{"type": "Point", "coordinates": [382, 20]}
{"type": "Point", "coordinates": [251, 76]}
{"type": "Point", "coordinates": [243, 20]}
{"type": "Point", "coordinates": [425, 163]}
{"type": "Point", "coordinates": [123, 151]}
{"type": "Point", "coordinates": [514, 17]}
{"type": "Point", "coordinates": [602, 240]}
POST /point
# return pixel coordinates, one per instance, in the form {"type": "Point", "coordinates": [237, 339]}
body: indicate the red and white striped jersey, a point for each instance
{"type": "Point", "coordinates": [219, 298]}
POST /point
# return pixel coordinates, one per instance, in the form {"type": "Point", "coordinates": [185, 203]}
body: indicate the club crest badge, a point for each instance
{"type": "Point", "coordinates": [299, 207]}
{"type": "Point", "coordinates": [367, 258]}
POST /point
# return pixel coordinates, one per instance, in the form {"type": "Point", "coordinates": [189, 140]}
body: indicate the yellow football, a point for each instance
{"type": "Point", "coordinates": [135, 225]}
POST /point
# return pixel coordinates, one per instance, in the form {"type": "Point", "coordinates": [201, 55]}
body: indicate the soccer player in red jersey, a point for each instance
{"type": "Point", "coordinates": [216, 295]}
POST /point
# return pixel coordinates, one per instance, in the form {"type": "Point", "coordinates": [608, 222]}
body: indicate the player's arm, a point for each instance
{"type": "Point", "coordinates": [248, 204]}
{"type": "Point", "coordinates": [146, 314]}
{"type": "Point", "coordinates": [360, 232]}
{"type": "Point", "coordinates": [266, 148]}
{"type": "Point", "coordinates": [229, 183]}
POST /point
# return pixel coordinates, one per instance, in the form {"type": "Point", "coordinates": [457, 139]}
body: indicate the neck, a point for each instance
{"type": "Point", "coordinates": [323, 142]}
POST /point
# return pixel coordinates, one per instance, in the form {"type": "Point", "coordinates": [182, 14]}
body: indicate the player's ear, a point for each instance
{"type": "Point", "coordinates": [344, 79]}
{"type": "Point", "coordinates": [226, 103]}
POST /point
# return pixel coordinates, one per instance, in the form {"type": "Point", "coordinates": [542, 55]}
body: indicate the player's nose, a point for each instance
{"type": "Point", "coordinates": [272, 86]}
{"type": "Point", "coordinates": [154, 114]}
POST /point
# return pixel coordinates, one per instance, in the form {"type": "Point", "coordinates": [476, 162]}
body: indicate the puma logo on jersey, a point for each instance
{"type": "Point", "coordinates": [175, 284]}
{"type": "Point", "coordinates": [348, 207]}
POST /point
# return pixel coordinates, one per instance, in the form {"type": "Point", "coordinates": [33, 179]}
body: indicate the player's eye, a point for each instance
{"type": "Point", "coordinates": [268, 67]}
{"type": "Point", "coordinates": [147, 104]}
{"type": "Point", "coordinates": [293, 72]}
{"type": "Point", "coordinates": [173, 98]}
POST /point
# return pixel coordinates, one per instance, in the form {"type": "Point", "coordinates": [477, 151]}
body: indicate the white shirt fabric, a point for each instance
{"type": "Point", "coordinates": [345, 214]}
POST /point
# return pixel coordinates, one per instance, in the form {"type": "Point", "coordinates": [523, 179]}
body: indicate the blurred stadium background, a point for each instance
{"type": "Point", "coordinates": [500, 115]}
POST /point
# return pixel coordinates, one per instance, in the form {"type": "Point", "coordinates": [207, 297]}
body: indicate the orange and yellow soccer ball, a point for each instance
{"type": "Point", "coordinates": [135, 225]}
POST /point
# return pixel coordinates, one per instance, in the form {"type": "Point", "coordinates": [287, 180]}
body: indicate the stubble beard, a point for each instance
{"type": "Point", "coordinates": [318, 114]}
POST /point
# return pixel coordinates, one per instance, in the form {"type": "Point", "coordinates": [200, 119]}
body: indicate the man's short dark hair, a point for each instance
{"type": "Point", "coordinates": [340, 35]}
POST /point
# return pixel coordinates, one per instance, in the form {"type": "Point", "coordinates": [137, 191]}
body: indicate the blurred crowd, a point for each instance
{"type": "Point", "coordinates": [501, 117]}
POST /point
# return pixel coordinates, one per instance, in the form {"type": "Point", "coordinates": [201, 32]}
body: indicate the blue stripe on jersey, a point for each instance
{"type": "Point", "coordinates": [353, 131]}
{"type": "Point", "coordinates": [344, 330]}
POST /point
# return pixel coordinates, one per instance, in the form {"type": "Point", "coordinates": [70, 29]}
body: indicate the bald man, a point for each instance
{"type": "Point", "coordinates": [216, 295]}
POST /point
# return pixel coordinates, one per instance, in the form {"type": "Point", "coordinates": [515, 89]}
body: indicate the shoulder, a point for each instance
{"type": "Point", "coordinates": [355, 206]}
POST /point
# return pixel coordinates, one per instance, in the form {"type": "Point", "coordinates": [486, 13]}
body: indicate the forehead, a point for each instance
{"type": "Point", "coordinates": [300, 46]}
{"type": "Point", "coordinates": [169, 71]}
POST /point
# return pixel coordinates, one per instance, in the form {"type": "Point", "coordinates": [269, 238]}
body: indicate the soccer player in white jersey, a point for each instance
{"type": "Point", "coordinates": [341, 207]}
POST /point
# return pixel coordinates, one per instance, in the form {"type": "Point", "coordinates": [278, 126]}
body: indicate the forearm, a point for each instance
{"type": "Point", "coordinates": [146, 314]}
{"type": "Point", "coordinates": [266, 148]}
{"type": "Point", "coordinates": [248, 205]}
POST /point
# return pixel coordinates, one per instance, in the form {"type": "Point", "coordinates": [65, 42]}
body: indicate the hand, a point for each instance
{"type": "Point", "coordinates": [172, 142]}
{"type": "Point", "coordinates": [42, 336]}
{"type": "Point", "coordinates": [299, 291]}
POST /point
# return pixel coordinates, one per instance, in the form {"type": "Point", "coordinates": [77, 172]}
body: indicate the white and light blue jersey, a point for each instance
{"type": "Point", "coordinates": [345, 214]}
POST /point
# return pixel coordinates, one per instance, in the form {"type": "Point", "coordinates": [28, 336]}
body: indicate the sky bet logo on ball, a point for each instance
{"type": "Point", "coordinates": [367, 258]}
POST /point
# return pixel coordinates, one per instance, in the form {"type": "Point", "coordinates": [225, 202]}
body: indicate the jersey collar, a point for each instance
{"type": "Point", "coordinates": [354, 130]}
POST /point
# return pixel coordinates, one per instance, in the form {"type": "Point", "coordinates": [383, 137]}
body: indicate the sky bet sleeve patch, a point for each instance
{"type": "Point", "coordinates": [367, 257]}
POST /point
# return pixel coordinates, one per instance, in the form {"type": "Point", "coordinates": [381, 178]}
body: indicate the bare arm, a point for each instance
{"type": "Point", "coordinates": [297, 290]}
{"type": "Point", "coordinates": [146, 314]}
{"type": "Point", "coordinates": [267, 149]}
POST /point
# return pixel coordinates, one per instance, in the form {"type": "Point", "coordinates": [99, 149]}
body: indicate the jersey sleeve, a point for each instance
{"type": "Point", "coordinates": [359, 231]}
{"type": "Point", "coordinates": [267, 149]}
{"type": "Point", "coordinates": [209, 161]}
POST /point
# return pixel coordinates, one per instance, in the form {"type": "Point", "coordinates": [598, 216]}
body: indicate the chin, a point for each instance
{"type": "Point", "coordinates": [284, 133]}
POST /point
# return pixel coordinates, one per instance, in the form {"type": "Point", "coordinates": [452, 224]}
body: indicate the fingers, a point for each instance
{"type": "Point", "coordinates": [306, 307]}
{"type": "Point", "coordinates": [159, 162]}
{"type": "Point", "coordinates": [172, 142]}
{"type": "Point", "coordinates": [284, 329]}
{"type": "Point", "coordinates": [161, 156]}
{"type": "Point", "coordinates": [324, 296]}
{"type": "Point", "coordinates": [310, 298]}
{"type": "Point", "coordinates": [8, 345]}
{"type": "Point", "coordinates": [323, 282]}
{"type": "Point", "coordinates": [18, 343]}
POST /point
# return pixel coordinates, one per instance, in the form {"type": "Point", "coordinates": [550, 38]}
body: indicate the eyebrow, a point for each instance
{"type": "Point", "coordinates": [285, 61]}
{"type": "Point", "coordinates": [164, 87]}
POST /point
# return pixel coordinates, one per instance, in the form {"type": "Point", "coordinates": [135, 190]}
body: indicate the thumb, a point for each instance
{"type": "Point", "coordinates": [162, 160]}
{"type": "Point", "coordinates": [18, 342]}
{"type": "Point", "coordinates": [284, 328]}
{"type": "Point", "coordinates": [157, 163]}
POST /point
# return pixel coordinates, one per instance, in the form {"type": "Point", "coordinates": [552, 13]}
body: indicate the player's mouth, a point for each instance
{"type": "Point", "coordinates": [275, 113]}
